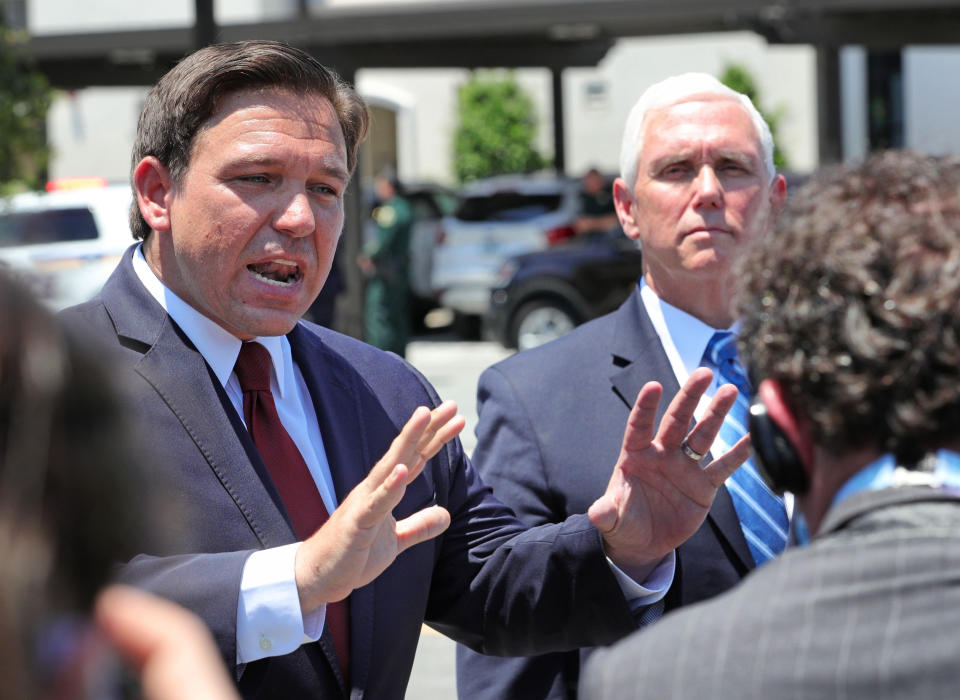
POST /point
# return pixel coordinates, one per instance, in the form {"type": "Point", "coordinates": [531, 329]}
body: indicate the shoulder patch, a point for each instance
{"type": "Point", "coordinates": [385, 215]}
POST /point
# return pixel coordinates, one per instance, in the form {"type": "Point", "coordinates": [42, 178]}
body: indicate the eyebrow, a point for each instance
{"type": "Point", "coordinates": [331, 169]}
{"type": "Point", "coordinates": [686, 156]}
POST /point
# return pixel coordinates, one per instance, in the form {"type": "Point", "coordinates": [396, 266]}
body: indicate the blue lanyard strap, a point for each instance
{"type": "Point", "coordinates": [884, 473]}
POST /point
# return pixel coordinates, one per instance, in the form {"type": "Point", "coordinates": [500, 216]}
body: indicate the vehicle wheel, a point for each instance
{"type": "Point", "coordinates": [540, 321]}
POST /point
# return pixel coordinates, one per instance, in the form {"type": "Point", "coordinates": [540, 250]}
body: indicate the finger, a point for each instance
{"type": "Point", "coordinates": [643, 416]}
{"type": "Point", "coordinates": [444, 434]}
{"type": "Point", "coordinates": [421, 526]}
{"type": "Point", "coordinates": [444, 425]}
{"type": "Point", "coordinates": [403, 449]}
{"type": "Point", "coordinates": [168, 645]}
{"type": "Point", "coordinates": [676, 419]}
{"type": "Point", "coordinates": [384, 498]}
{"type": "Point", "coordinates": [603, 514]}
{"type": "Point", "coordinates": [701, 436]}
{"type": "Point", "coordinates": [721, 468]}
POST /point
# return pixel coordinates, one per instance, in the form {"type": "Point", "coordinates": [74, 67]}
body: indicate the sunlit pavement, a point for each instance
{"type": "Point", "coordinates": [453, 368]}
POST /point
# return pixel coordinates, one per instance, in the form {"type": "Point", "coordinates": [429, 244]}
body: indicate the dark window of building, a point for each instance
{"type": "Point", "coordinates": [885, 99]}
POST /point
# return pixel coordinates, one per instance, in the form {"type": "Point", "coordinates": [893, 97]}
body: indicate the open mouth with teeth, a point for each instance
{"type": "Point", "coordinates": [281, 273]}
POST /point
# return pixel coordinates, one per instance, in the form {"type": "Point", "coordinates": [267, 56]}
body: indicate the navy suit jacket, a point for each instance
{"type": "Point", "coordinates": [550, 430]}
{"type": "Point", "coordinates": [487, 581]}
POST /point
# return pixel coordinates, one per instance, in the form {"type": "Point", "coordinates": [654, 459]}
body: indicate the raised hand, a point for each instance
{"type": "Point", "coordinates": [362, 538]}
{"type": "Point", "coordinates": [658, 495]}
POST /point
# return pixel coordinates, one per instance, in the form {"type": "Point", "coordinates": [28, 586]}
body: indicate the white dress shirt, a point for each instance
{"type": "Point", "coordinates": [269, 619]}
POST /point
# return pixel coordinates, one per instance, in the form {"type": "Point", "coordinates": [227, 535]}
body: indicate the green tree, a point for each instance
{"type": "Point", "coordinates": [497, 128]}
{"type": "Point", "coordinates": [25, 97]}
{"type": "Point", "coordinates": [737, 77]}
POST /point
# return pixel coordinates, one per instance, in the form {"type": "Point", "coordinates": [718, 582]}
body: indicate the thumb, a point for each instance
{"type": "Point", "coordinates": [603, 513]}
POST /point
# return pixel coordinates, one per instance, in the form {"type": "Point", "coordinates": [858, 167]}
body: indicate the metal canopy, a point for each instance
{"type": "Point", "coordinates": [509, 33]}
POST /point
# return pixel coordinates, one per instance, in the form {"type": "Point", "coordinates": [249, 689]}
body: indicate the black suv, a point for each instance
{"type": "Point", "coordinates": [540, 296]}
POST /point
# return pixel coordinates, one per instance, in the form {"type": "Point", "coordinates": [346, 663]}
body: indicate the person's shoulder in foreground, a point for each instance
{"type": "Point", "coordinates": [856, 350]}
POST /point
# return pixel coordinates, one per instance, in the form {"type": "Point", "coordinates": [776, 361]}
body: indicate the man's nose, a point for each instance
{"type": "Point", "coordinates": [295, 216]}
{"type": "Point", "coordinates": [709, 191]}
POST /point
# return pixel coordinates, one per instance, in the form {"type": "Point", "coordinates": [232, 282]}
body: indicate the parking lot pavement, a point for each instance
{"type": "Point", "coordinates": [452, 366]}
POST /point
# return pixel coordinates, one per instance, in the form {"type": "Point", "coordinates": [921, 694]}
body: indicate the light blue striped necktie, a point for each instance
{"type": "Point", "coordinates": [763, 517]}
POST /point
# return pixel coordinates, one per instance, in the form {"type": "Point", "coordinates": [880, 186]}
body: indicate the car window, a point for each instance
{"type": "Point", "coordinates": [507, 206]}
{"type": "Point", "coordinates": [446, 201]}
{"type": "Point", "coordinates": [51, 226]}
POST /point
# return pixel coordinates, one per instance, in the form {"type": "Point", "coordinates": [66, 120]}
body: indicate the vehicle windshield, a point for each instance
{"type": "Point", "coordinates": [52, 226]}
{"type": "Point", "coordinates": [507, 206]}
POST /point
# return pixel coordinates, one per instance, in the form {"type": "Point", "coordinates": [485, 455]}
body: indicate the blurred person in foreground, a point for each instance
{"type": "Point", "coordinates": [852, 332]}
{"type": "Point", "coordinates": [385, 261]}
{"type": "Point", "coordinates": [72, 494]}
{"type": "Point", "coordinates": [697, 190]}
{"type": "Point", "coordinates": [335, 510]}
{"type": "Point", "coordinates": [597, 214]}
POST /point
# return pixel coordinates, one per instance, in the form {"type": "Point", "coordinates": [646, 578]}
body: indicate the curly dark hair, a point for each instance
{"type": "Point", "coordinates": [180, 104]}
{"type": "Point", "coordinates": [853, 305]}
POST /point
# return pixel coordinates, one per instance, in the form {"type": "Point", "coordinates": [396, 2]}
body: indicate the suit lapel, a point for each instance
{"type": "Point", "coordinates": [638, 357]}
{"type": "Point", "coordinates": [182, 379]}
{"type": "Point", "coordinates": [340, 416]}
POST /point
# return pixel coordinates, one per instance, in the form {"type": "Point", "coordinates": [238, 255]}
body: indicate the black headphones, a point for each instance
{"type": "Point", "coordinates": [775, 456]}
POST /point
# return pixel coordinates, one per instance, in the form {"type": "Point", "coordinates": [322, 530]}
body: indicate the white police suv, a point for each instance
{"type": "Point", "coordinates": [64, 243]}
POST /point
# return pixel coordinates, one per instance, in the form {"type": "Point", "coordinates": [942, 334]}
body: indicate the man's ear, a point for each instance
{"type": "Point", "coordinates": [778, 194]}
{"type": "Point", "coordinates": [623, 201]}
{"type": "Point", "coordinates": [796, 430]}
{"type": "Point", "coordinates": [152, 184]}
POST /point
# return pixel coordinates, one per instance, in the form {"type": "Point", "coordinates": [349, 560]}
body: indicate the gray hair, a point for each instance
{"type": "Point", "coordinates": [683, 88]}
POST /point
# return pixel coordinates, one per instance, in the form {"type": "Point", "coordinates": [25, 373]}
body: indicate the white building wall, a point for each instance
{"type": "Point", "coordinates": [931, 95]}
{"type": "Point", "coordinates": [785, 76]}
{"type": "Point", "coordinates": [92, 130]}
{"type": "Point", "coordinates": [853, 102]}
{"type": "Point", "coordinates": [427, 121]}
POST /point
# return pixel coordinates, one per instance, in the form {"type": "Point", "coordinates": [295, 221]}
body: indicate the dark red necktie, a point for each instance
{"type": "Point", "coordinates": [289, 472]}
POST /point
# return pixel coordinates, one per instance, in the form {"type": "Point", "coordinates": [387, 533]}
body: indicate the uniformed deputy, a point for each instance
{"type": "Point", "coordinates": [385, 262]}
{"type": "Point", "coordinates": [597, 212]}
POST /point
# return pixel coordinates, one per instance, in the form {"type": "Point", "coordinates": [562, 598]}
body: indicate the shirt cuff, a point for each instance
{"type": "Point", "coordinates": [269, 619]}
{"type": "Point", "coordinates": [653, 589]}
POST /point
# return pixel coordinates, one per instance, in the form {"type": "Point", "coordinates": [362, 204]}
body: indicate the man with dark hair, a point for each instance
{"type": "Point", "coordinates": [597, 212]}
{"type": "Point", "coordinates": [697, 188]}
{"type": "Point", "coordinates": [851, 329]}
{"type": "Point", "coordinates": [313, 569]}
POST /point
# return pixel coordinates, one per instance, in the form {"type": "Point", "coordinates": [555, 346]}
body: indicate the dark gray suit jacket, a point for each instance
{"type": "Point", "coordinates": [486, 581]}
{"type": "Point", "coordinates": [550, 430]}
{"type": "Point", "coordinates": [870, 609]}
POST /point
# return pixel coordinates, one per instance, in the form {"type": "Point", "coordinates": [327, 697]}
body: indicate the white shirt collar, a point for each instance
{"type": "Point", "coordinates": [683, 336]}
{"type": "Point", "coordinates": [218, 347]}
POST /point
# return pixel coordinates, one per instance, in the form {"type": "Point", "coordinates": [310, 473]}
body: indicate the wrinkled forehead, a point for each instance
{"type": "Point", "coordinates": [701, 119]}
{"type": "Point", "coordinates": [310, 108]}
